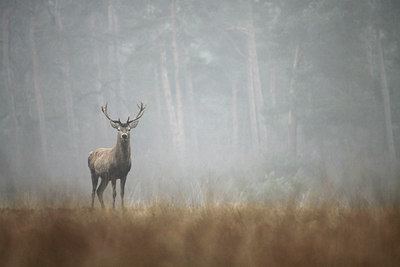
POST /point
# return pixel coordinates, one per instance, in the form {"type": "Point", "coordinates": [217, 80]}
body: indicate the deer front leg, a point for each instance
{"type": "Point", "coordinates": [100, 190]}
{"type": "Point", "coordinates": [114, 193]}
{"type": "Point", "coordinates": [122, 191]}
{"type": "Point", "coordinates": [95, 180]}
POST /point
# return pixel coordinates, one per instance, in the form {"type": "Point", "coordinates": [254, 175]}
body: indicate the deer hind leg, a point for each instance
{"type": "Point", "coordinates": [100, 190]}
{"type": "Point", "coordinates": [114, 193]}
{"type": "Point", "coordinates": [95, 180]}
{"type": "Point", "coordinates": [122, 191]}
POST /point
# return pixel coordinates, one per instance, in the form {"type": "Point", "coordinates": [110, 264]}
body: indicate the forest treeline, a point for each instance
{"type": "Point", "coordinates": [242, 94]}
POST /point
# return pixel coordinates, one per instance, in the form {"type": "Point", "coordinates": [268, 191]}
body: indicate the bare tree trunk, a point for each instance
{"type": "Point", "coordinates": [251, 98]}
{"type": "Point", "coordinates": [36, 85]}
{"type": "Point", "coordinates": [259, 99]}
{"type": "Point", "coordinates": [272, 86]}
{"type": "Point", "coordinates": [377, 146]}
{"type": "Point", "coordinates": [369, 50]}
{"type": "Point", "coordinates": [16, 157]}
{"type": "Point", "coordinates": [191, 105]}
{"type": "Point", "coordinates": [110, 31]}
{"type": "Point", "coordinates": [119, 65]}
{"type": "Point", "coordinates": [272, 133]}
{"type": "Point", "coordinates": [157, 92]}
{"type": "Point", "coordinates": [65, 68]}
{"type": "Point", "coordinates": [160, 120]}
{"type": "Point", "coordinates": [179, 106]}
{"type": "Point", "coordinates": [168, 98]}
{"type": "Point", "coordinates": [292, 123]}
{"type": "Point", "coordinates": [322, 159]}
{"type": "Point", "coordinates": [96, 64]}
{"type": "Point", "coordinates": [386, 101]}
{"type": "Point", "coordinates": [235, 122]}
{"type": "Point", "coordinates": [114, 69]}
{"type": "Point", "coordinates": [98, 74]}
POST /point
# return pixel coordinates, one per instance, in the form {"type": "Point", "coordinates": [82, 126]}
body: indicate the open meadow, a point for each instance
{"type": "Point", "coordinates": [211, 235]}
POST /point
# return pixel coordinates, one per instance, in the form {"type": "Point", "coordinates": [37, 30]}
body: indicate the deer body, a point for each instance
{"type": "Point", "coordinates": [111, 164]}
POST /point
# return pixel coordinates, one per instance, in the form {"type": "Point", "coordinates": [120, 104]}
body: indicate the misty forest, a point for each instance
{"type": "Point", "coordinates": [268, 132]}
{"type": "Point", "coordinates": [246, 100]}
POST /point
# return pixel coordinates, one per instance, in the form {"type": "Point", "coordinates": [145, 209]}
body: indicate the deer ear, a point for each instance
{"type": "Point", "coordinates": [133, 124]}
{"type": "Point", "coordinates": [114, 124]}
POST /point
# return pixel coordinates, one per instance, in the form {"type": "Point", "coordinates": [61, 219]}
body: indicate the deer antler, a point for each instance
{"type": "Point", "coordinates": [140, 113]}
{"type": "Point", "coordinates": [104, 109]}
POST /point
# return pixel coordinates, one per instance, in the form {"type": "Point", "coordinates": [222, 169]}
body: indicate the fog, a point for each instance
{"type": "Point", "coordinates": [263, 101]}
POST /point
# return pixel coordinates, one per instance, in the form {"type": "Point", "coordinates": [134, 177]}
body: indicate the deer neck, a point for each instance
{"type": "Point", "coordinates": [123, 149]}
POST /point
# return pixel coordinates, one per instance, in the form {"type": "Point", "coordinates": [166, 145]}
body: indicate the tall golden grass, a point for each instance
{"type": "Point", "coordinates": [214, 235]}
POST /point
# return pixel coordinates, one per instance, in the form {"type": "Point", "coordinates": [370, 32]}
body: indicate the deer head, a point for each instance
{"type": "Point", "coordinates": [124, 128]}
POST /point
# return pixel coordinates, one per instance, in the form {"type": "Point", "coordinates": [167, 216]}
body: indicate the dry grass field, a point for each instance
{"type": "Point", "coordinates": [230, 235]}
{"type": "Point", "coordinates": [166, 235]}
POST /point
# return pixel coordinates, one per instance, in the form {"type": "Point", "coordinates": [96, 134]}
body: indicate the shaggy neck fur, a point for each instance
{"type": "Point", "coordinates": [122, 149]}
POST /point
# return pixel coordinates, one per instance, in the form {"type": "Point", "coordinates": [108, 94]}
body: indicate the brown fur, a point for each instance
{"type": "Point", "coordinates": [110, 164]}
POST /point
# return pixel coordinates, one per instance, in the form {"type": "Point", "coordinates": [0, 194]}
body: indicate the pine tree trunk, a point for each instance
{"type": "Point", "coordinates": [157, 93]}
{"type": "Point", "coordinates": [272, 86]}
{"type": "Point", "coordinates": [191, 107]}
{"type": "Point", "coordinates": [36, 85]}
{"type": "Point", "coordinates": [15, 132]}
{"type": "Point", "coordinates": [251, 97]}
{"type": "Point", "coordinates": [235, 122]}
{"type": "Point", "coordinates": [119, 66]}
{"type": "Point", "coordinates": [292, 120]}
{"type": "Point", "coordinates": [65, 69]}
{"type": "Point", "coordinates": [168, 99]}
{"type": "Point", "coordinates": [96, 64]}
{"type": "Point", "coordinates": [369, 50]}
{"type": "Point", "coordinates": [386, 101]}
{"type": "Point", "coordinates": [259, 98]}
{"type": "Point", "coordinates": [377, 146]}
{"type": "Point", "coordinates": [161, 126]}
{"type": "Point", "coordinates": [322, 159]}
{"type": "Point", "coordinates": [114, 69]}
{"type": "Point", "coordinates": [178, 93]}
{"type": "Point", "coordinates": [98, 74]}
{"type": "Point", "coordinates": [272, 134]}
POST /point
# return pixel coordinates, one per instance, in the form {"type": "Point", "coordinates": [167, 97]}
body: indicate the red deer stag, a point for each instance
{"type": "Point", "coordinates": [113, 163]}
